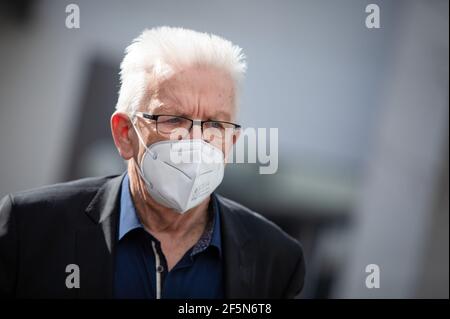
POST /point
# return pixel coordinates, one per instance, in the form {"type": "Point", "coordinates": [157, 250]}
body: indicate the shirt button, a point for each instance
{"type": "Point", "coordinates": [160, 268]}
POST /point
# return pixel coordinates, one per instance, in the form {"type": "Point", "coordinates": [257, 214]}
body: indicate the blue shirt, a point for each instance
{"type": "Point", "coordinates": [140, 263]}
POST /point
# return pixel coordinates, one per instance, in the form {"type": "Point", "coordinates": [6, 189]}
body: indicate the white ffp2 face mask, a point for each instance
{"type": "Point", "coordinates": [180, 174]}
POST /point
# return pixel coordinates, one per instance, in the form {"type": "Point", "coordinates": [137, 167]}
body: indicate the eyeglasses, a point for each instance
{"type": "Point", "coordinates": [176, 127]}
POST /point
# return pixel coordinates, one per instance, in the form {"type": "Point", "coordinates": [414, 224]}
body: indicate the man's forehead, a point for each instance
{"type": "Point", "coordinates": [209, 92]}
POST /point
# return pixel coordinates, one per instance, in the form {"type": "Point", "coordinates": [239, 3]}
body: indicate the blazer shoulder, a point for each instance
{"type": "Point", "coordinates": [60, 191]}
{"type": "Point", "coordinates": [262, 228]}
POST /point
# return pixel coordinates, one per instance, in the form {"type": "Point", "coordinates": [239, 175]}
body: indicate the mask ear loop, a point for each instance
{"type": "Point", "coordinates": [152, 154]}
{"type": "Point", "coordinates": [133, 116]}
{"type": "Point", "coordinates": [141, 140]}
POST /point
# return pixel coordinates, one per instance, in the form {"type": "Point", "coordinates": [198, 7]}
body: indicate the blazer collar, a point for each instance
{"type": "Point", "coordinates": [106, 200]}
{"type": "Point", "coordinates": [95, 242]}
{"type": "Point", "coordinates": [239, 252]}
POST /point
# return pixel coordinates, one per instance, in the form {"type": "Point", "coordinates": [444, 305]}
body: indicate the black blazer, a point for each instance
{"type": "Point", "coordinates": [44, 230]}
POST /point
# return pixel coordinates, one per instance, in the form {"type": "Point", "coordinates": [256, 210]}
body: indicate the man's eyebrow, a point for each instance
{"type": "Point", "coordinates": [221, 116]}
{"type": "Point", "coordinates": [166, 109]}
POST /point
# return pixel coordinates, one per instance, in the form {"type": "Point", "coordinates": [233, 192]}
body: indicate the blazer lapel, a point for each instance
{"type": "Point", "coordinates": [239, 257]}
{"type": "Point", "coordinates": [96, 240]}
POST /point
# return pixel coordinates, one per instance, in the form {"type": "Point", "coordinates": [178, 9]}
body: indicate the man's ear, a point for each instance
{"type": "Point", "coordinates": [121, 131]}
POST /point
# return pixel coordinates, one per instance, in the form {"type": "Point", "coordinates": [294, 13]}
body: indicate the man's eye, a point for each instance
{"type": "Point", "coordinates": [171, 120]}
{"type": "Point", "coordinates": [217, 125]}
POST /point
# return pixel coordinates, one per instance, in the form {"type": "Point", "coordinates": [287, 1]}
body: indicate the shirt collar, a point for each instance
{"type": "Point", "coordinates": [129, 220]}
{"type": "Point", "coordinates": [211, 235]}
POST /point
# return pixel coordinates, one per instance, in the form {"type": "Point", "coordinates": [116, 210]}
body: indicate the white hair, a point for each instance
{"type": "Point", "coordinates": [159, 52]}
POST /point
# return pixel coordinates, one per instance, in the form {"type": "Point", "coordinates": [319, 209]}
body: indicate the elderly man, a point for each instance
{"type": "Point", "coordinates": [158, 230]}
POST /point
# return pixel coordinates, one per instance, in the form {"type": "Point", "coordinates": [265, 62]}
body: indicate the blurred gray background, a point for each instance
{"type": "Point", "coordinates": [362, 117]}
